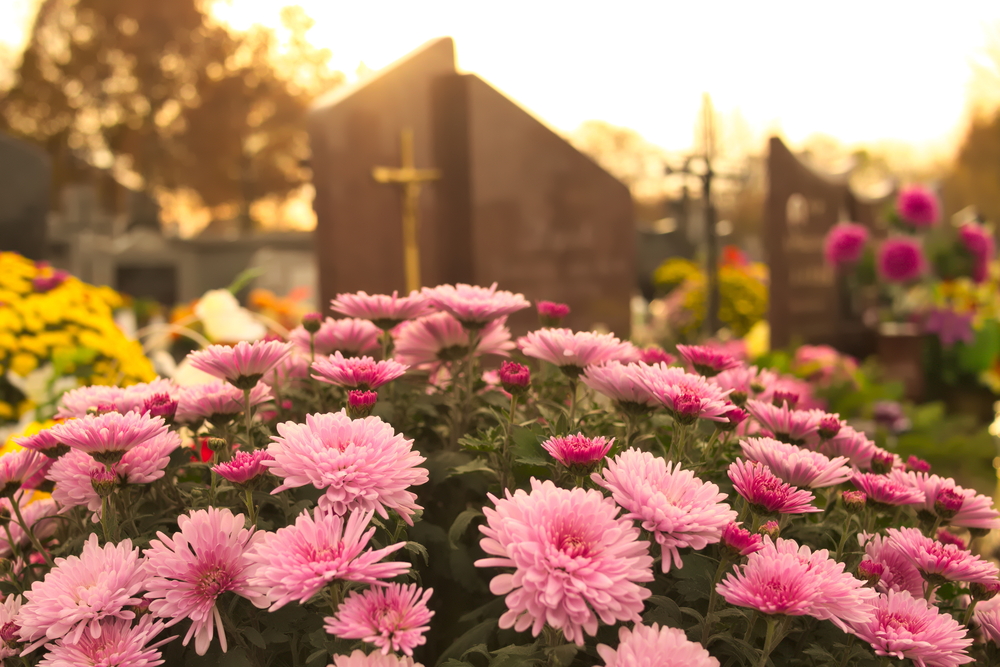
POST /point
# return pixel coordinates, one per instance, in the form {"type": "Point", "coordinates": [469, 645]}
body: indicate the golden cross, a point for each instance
{"type": "Point", "coordinates": [410, 178]}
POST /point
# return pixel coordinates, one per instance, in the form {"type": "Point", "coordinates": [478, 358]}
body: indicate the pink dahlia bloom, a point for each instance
{"type": "Point", "coordinates": [17, 467]}
{"type": "Point", "coordinates": [79, 402]}
{"type": "Point", "coordinates": [573, 560]}
{"type": "Point", "coordinates": [707, 361]}
{"type": "Point", "coordinates": [472, 305]}
{"type": "Point", "coordinates": [622, 383]}
{"type": "Point", "coordinates": [980, 244]}
{"type": "Point", "coordinates": [942, 561]}
{"type": "Point", "coordinates": [973, 510]}
{"type": "Point", "coordinates": [244, 467]}
{"type": "Point", "coordinates": [578, 450]}
{"type": "Point", "coordinates": [384, 310]}
{"type": "Point", "coordinates": [844, 244]}
{"type": "Point", "coordinates": [796, 427]}
{"type": "Point", "coordinates": [918, 206]}
{"type": "Point", "coordinates": [297, 561]}
{"type": "Point", "coordinates": [360, 659]}
{"type": "Point", "coordinates": [216, 400]}
{"type": "Point", "coordinates": [393, 617]}
{"type": "Point", "coordinates": [350, 336]}
{"type": "Point", "coordinates": [740, 540]}
{"type": "Point", "coordinates": [679, 509]}
{"type": "Point", "coordinates": [574, 351]}
{"type": "Point", "coordinates": [430, 340]}
{"type": "Point", "coordinates": [904, 626]}
{"type": "Point", "coordinates": [898, 572]}
{"type": "Point", "coordinates": [797, 466]}
{"type": "Point", "coordinates": [81, 591]}
{"type": "Point", "coordinates": [686, 396]}
{"type": "Point", "coordinates": [107, 437]}
{"type": "Point", "coordinates": [242, 365]}
{"type": "Point", "coordinates": [120, 644]}
{"type": "Point", "coordinates": [901, 259]}
{"type": "Point", "coordinates": [191, 569]}
{"type": "Point", "coordinates": [652, 645]}
{"type": "Point", "coordinates": [857, 447]}
{"type": "Point", "coordinates": [884, 490]}
{"type": "Point", "coordinates": [37, 515]}
{"type": "Point", "coordinates": [356, 372]}
{"type": "Point", "coordinates": [361, 463]}
{"type": "Point", "coordinates": [765, 492]}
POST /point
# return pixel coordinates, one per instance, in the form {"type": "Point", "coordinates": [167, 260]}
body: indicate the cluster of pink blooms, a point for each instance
{"type": "Point", "coordinates": [901, 259]}
{"type": "Point", "coordinates": [844, 244]}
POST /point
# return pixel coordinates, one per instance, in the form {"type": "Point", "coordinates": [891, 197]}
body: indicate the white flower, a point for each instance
{"type": "Point", "coordinates": [225, 320]}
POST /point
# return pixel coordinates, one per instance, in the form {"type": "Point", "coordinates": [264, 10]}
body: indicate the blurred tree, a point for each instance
{"type": "Point", "coordinates": [974, 176]}
{"type": "Point", "coordinates": [169, 99]}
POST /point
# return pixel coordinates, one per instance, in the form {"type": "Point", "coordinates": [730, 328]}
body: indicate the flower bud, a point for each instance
{"type": "Point", "coordinates": [104, 481]}
{"type": "Point", "coordinates": [216, 444]}
{"type": "Point", "coordinates": [514, 377]}
{"type": "Point", "coordinates": [945, 536]}
{"type": "Point", "coordinates": [734, 417]}
{"type": "Point", "coordinates": [829, 426]}
{"type": "Point", "coordinates": [739, 398]}
{"type": "Point", "coordinates": [983, 591]}
{"type": "Point", "coordinates": [160, 405]}
{"type": "Point", "coordinates": [740, 541]}
{"type": "Point", "coordinates": [917, 465]}
{"type": "Point", "coordinates": [687, 408]}
{"type": "Point", "coordinates": [360, 403]}
{"type": "Point", "coordinates": [882, 462]}
{"type": "Point", "coordinates": [551, 314]}
{"type": "Point", "coordinates": [770, 529]}
{"type": "Point", "coordinates": [789, 397]}
{"type": "Point", "coordinates": [311, 322]}
{"type": "Point", "coordinates": [948, 502]}
{"type": "Point", "coordinates": [854, 501]}
{"type": "Point", "coordinates": [871, 572]}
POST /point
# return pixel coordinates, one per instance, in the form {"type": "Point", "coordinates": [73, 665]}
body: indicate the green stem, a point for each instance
{"type": "Point", "coordinates": [251, 507]}
{"type": "Point", "coordinates": [933, 531]}
{"type": "Point", "coordinates": [386, 339]}
{"type": "Point", "coordinates": [506, 473]}
{"type": "Point", "coordinates": [14, 548]}
{"type": "Point", "coordinates": [769, 641]}
{"type": "Point", "coordinates": [248, 411]}
{"type": "Point", "coordinates": [215, 479]}
{"type": "Point", "coordinates": [713, 597]}
{"type": "Point", "coordinates": [573, 383]}
{"type": "Point", "coordinates": [847, 651]}
{"type": "Point", "coordinates": [109, 520]}
{"type": "Point", "coordinates": [843, 537]}
{"type": "Point", "coordinates": [750, 625]}
{"type": "Point", "coordinates": [930, 591]}
{"type": "Point", "coordinates": [969, 612]}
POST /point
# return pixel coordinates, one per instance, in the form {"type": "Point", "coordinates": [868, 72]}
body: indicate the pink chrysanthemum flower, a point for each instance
{"type": "Point", "coordinates": [216, 400]}
{"type": "Point", "coordinates": [679, 509]}
{"type": "Point", "coordinates": [574, 351]}
{"type": "Point", "coordinates": [901, 259]}
{"type": "Point", "coordinates": [904, 626]}
{"type": "Point", "coordinates": [741, 382]}
{"type": "Point", "coordinates": [17, 467]}
{"type": "Point", "coordinates": [973, 510]}
{"type": "Point", "coordinates": [941, 561]}
{"type": "Point", "coordinates": [361, 463]}
{"type": "Point", "coordinates": [356, 372]}
{"type": "Point", "coordinates": [37, 515]}
{"type": "Point", "coordinates": [656, 355]}
{"type": "Point", "coordinates": [844, 244]}
{"type": "Point", "coordinates": [513, 377]}
{"type": "Point", "coordinates": [297, 561]}
{"type": "Point", "coordinates": [136, 397]}
{"type": "Point", "coordinates": [44, 442]}
{"type": "Point", "coordinates": [81, 591]}
{"type": "Point", "coordinates": [578, 450]}
{"type": "Point", "coordinates": [360, 659]}
{"type": "Point", "coordinates": [622, 383]}
{"type": "Point", "coordinates": [244, 467]}
{"type": "Point", "coordinates": [573, 560]}
{"type": "Point", "coordinates": [740, 540]}
{"type": "Point", "coordinates": [430, 340]}
{"type": "Point", "coordinates": [551, 313]}
{"type": "Point", "coordinates": [393, 617]}
{"type": "Point", "coordinates": [120, 644]}
{"type": "Point", "coordinates": [384, 310]}
{"type": "Point", "coordinates": [350, 336]}
{"type": "Point", "coordinates": [918, 206]}
{"type": "Point", "coordinates": [107, 437]}
{"type": "Point", "coordinates": [980, 244]}
{"type": "Point", "coordinates": [898, 572]}
{"type": "Point", "coordinates": [474, 306]}
{"type": "Point", "coordinates": [779, 584]}
{"type": "Point", "coordinates": [191, 569]}
{"type": "Point", "coordinates": [9, 642]}
{"type": "Point", "coordinates": [242, 365]}
{"type": "Point", "coordinates": [647, 645]}
{"type": "Point", "coordinates": [765, 492]}
{"type": "Point", "coordinates": [686, 396]}
{"type": "Point", "coordinates": [795, 427]}
{"type": "Point", "coordinates": [882, 490]}
{"type": "Point", "coordinates": [857, 447]}
{"type": "Point", "coordinates": [80, 401]}
{"type": "Point", "coordinates": [988, 616]}
{"type": "Point", "coordinates": [797, 466]}
{"type": "Point", "coordinates": [707, 361]}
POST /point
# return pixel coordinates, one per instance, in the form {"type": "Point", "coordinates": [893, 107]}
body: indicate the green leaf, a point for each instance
{"type": "Point", "coordinates": [460, 525]}
{"type": "Point", "coordinates": [419, 549]}
{"type": "Point", "coordinates": [479, 634]}
{"type": "Point", "coordinates": [527, 445]}
{"type": "Point", "coordinates": [477, 465]}
{"type": "Point", "coordinates": [317, 655]}
{"type": "Point", "coordinates": [254, 636]}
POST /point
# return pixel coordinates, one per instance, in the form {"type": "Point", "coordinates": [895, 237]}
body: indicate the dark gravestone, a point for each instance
{"type": "Point", "coordinates": [515, 203]}
{"type": "Point", "coordinates": [808, 303]}
{"type": "Point", "coordinates": [25, 176]}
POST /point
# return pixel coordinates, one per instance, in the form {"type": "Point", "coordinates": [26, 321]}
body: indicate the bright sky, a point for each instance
{"type": "Point", "coordinates": [860, 71]}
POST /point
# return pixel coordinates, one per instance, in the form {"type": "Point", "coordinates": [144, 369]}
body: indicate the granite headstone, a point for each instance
{"type": "Point", "coordinates": [25, 178]}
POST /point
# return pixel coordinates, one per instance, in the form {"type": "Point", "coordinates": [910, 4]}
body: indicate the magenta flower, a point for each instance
{"type": "Point", "coordinates": [393, 617]}
{"type": "Point", "coordinates": [356, 372]}
{"type": "Point", "coordinates": [884, 491]}
{"type": "Point", "coordinates": [37, 515]}
{"type": "Point", "coordinates": [350, 336]}
{"type": "Point", "coordinates": [578, 450]}
{"type": "Point", "coordinates": [384, 310]}
{"type": "Point", "coordinates": [969, 509]}
{"type": "Point", "coordinates": [474, 306]}
{"type": "Point", "coordinates": [901, 259]}
{"type": "Point", "coordinates": [797, 466]}
{"type": "Point", "coordinates": [857, 447]}
{"type": "Point", "coordinates": [514, 377]}
{"type": "Point", "coordinates": [707, 361]}
{"type": "Point", "coordinates": [119, 644]}
{"type": "Point", "coordinates": [9, 642]}
{"type": "Point", "coordinates": [941, 561]}
{"type": "Point", "coordinates": [361, 463]}
{"type": "Point", "coordinates": [574, 351]}
{"type": "Point", "coordinates": [18, 466]}
{"type": "Point", "coordinates": [216, 401]}
{"type": "Point", "coordinates": [904, 626]}
{"type": "Point", "coordinates": [360, 659]}
{"type": "Point", "coordinates": [679, 509]}
{"type": "Point", "coordinates": [765, 492]}
{"type": "Point", "coordinates": [551, 313]}
{"type": "Point", "coordinates": [656, 355]}
{"type": "Point", "coordinates": [980, 244]}
{"type": "Point", "coordinates": [950, 326]}
{"type": "Point", "coordinates": [107, 437]}
{"type": "Point", "coordinates": [573, 560]}
{"type": "Point", "coordinates": [242, 365]}
{"type": "Point", "coordinates": [245, 467]}
{"type": "Point", "coordinates": [653, 645]}
{"type": "Point", "coordinates": [158, 394]}
{"type": "Point", "coordinates": [795, 427]}
{"type": "Point", "coordinates": [918, 206]}
{"type": "Point", "coordinates": [81, 591]}
{"type": "Point", "coordinates": [844, 244]}
{"type": "Point", "coordinates": [430, 340]}
{"type": "Point", "coordinates": [622, 383]}
{"type": "Point", "coordinates": [944, 536]}
{"type": "Point", "coordinates": [191, 569]}
{"type": "Point", "coordinates": [360, 403]}
{"type": "Point", "coordinates": [80, 401]}
{"type": "Point", "coordinates": [686, 396]}
{"type": "Point", "coordinates": [295, 562]}
{"type": "Point", "coordinates": [47, 283]}
{"type": "Point", "coordinates": [741, 541]}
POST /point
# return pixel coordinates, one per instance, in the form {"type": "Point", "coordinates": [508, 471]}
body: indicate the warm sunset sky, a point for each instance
{"type": "Point", "coordinates": [861, 71]}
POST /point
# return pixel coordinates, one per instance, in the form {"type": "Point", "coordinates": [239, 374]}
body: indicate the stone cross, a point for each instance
{"type": "Point", "coordinates": [410, 178]}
